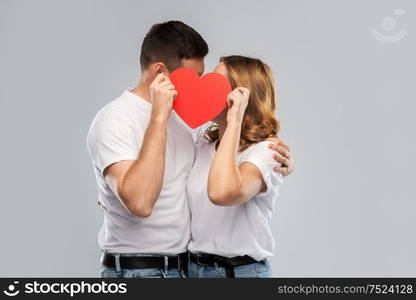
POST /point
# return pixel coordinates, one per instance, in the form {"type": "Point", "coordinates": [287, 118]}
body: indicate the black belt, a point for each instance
{"type": "Point", "coordinates": [178, 262]}
{"type": "Point", "coordinates": [210, 260]}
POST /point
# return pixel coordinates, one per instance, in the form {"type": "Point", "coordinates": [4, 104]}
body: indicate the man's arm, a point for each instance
{"type": "Point", "coordinates": [138, 183]}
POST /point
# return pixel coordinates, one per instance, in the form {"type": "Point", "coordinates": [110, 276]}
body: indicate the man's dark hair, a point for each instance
{"type": "Point", "coordinates": [169, 43]}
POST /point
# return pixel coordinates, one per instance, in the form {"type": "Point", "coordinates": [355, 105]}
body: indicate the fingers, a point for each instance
{"type": "Point", "coordinates": [229, 102]}
{"type": "Point", "coordinates": [159, 78]}
{"type": "Point", "coordinates": [243, 91]}
{"type": "Point", "coordinates": [174, 94]}
{"type": "Point", "coordinates": [281, 143]}
{"type": "Point", "coordinates": [237, 94]}
{"type": "Point", "coordinates": [166, 84]}
{"type": "Point", "coordinates": [282, 170]}
{"type": "Point", "coordinates": [170, 91]}
{"type": "Point", "coordinates": [246, 93]}
{"type": "Point", "coordinates": [284, 156]}
{"type": "Point", "coordinates": [232, 97]}
{"type": "Point", "coordinates": [238, 91]}
{"type": "Point", "coordinates": [281, 159]}
{"type": "Point", "coordinates": [280, 149]}
{"type": "Point", "coordinates": [273, 139]}
{"type": "Point", "coordinates": [162, 83]}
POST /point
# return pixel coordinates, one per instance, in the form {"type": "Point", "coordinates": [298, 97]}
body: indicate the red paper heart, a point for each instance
{"type": "Point", "coordinates": [199, 99]}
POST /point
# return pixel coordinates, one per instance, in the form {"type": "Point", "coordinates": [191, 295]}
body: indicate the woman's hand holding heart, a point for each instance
{"type": "Point", "coordinates": [237, 102]}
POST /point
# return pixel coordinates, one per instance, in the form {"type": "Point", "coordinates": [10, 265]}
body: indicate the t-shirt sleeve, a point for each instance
{"type": "Point", "coordinates": [261, 156]}
{"type": "Point", "coordinates": [110, 140]}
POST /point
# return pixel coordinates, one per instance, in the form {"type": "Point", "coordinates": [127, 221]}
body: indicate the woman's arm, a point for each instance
{"type": "Point", "coordinates": [228, 183]}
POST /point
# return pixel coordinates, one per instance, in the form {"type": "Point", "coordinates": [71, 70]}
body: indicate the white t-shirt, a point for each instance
{"type": "Point", "coordinates": [116, 134]}
{"type": "Point", "coordinates": [233, 230]}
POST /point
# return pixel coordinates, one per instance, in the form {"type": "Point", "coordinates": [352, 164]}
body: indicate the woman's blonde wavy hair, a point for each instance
{"type": "Point", "coordinates": [259, 120]}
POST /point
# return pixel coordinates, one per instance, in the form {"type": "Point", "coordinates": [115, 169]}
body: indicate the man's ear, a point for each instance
{"type": "Point", "coordinates": [159, 68]}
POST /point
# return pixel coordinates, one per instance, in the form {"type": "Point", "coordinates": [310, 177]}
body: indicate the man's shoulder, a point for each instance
{"type": "Point", "coordinates": [107, 114]}
{"type": "Point", "coordinates": [121, 109]}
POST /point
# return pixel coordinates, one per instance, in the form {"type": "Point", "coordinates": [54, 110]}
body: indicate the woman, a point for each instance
{"type": "Point", "coordinates": [232, 186]}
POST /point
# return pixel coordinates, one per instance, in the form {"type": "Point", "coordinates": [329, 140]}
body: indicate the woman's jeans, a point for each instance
{"type": "Point", "coordinates": [260, 269]}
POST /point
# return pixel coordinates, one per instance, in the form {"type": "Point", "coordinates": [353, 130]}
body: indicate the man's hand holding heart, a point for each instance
{"type": "Point", "coordinates": [162, 95]}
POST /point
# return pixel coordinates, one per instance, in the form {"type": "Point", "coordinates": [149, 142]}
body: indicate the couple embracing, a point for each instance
{"type": "Point", "coordinates": [181, 202]}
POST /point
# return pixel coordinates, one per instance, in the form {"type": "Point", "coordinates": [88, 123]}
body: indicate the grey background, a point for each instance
{"type": "Point", "coordinates": [346, 102]}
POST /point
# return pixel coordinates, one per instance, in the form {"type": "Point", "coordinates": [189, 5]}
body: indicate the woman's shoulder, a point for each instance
{"type": "Point", "coordinates": [259, 147]}
{"type": "Point", "coordinates": [259, 154]}
{"type": "Point", "coordinates": [262, 157]}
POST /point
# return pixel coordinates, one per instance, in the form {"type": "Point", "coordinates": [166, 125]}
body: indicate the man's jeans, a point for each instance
{"type": "Point", "coordinates": [106, 272]}
{"type": "Point", "coordinates": [256, 270]}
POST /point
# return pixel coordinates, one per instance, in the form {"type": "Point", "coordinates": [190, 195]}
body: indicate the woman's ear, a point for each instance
{"type": "Point", "coordinates": [159, 68]}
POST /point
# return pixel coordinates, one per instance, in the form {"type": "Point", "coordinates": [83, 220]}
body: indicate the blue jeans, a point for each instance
{"type": "Point", "coordinates": [106, 272]}
{"type": "Point", "coordinates": [261, 269]}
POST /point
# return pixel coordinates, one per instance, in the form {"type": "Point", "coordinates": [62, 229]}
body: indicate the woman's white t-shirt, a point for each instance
{"type": "Point", "coordinates": [233, 230]}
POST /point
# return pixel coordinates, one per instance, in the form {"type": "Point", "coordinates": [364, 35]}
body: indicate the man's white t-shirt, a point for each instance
{"type": "Point", "coordinates": [233, 230]}
{"type": "Point", "coordinates": [116, 134]}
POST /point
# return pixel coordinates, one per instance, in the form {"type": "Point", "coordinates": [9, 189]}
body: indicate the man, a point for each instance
{"type": "Point", "coordinates": [142, 152]}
